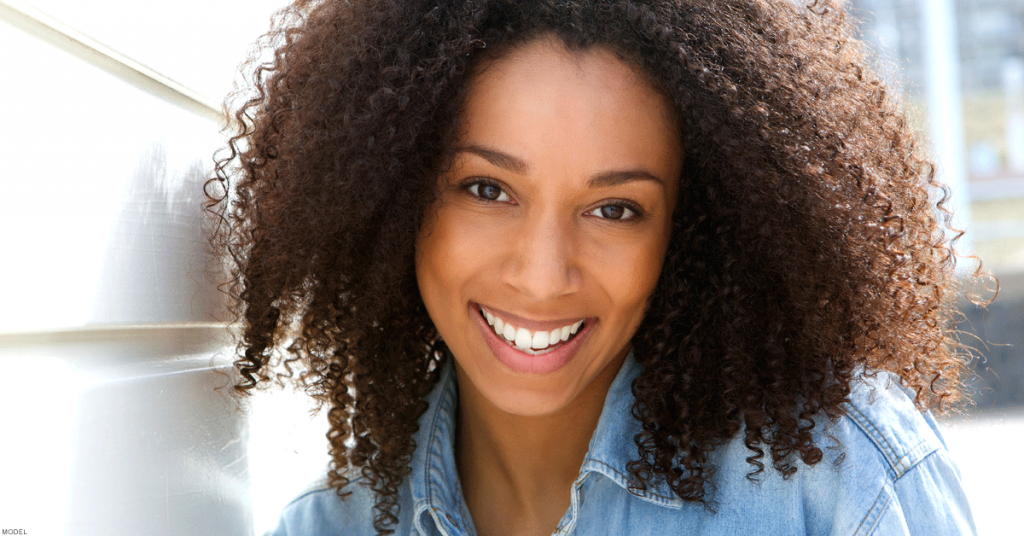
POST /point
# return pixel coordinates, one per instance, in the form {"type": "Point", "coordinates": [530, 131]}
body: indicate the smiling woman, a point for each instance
{"type": "Point", "coordinates": [588, 267]}
{"type": "Point", "coordinates": [566, 172]}
{"type": "Point", "coordinates": [544, 135]}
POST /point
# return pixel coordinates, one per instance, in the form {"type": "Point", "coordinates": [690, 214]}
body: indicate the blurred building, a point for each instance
{"type": "Point", "coordinates": [989, 42]}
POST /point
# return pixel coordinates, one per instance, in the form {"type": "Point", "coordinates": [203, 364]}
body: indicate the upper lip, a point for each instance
{"type": "Point", "coordinates": [531, 325]}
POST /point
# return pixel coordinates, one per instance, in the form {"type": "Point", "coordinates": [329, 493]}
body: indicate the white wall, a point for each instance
{"type": "Point", "coordinates": [114, 418]}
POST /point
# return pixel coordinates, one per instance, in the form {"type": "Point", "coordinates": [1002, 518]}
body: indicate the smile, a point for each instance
{"type": "Point", "coordinates": [530, 342]}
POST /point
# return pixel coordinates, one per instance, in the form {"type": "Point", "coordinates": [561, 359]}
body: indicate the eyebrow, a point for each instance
{"type": "Point", "coordinates": [517, 165]}
{"type": "Point", "coordinates": [614, 178]}
{"type": "Point", "coordinates": [498, 158]}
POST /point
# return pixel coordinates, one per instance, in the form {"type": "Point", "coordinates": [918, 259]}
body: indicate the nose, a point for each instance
{"type": "Point", "coordinates": [542, 261]}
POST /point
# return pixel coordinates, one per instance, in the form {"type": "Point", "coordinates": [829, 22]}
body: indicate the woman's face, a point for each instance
{"type": "Point", "coordinates": [537, 261]}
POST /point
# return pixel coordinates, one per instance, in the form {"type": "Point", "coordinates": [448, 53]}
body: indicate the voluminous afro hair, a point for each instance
{"type": "Point", "coordinates": [808, 243]}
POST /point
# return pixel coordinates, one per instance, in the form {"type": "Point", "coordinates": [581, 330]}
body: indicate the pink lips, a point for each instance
{"type": "Point", "coordinates": [532, 364]}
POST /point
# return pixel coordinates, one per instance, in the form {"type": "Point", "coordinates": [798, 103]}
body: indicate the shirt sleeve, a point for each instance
{"type": "Point", "coordinates": [927, 500]}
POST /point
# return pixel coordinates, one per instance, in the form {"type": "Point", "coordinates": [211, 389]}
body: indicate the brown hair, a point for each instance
{"type": "Point", "coordinates": [806, 242]}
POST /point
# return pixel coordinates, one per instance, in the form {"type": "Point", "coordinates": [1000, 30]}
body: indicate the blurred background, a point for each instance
{"type": "Point", "coordinates": [114, 415]}
{"type": "Point", "coordinates": [959, 65]}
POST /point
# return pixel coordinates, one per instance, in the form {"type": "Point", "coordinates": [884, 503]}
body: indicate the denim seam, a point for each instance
{"type": "Point", "coordinates": [916, 455]}
{"type": "Point", "coordinates": [574, 508]}
{"type": "Point", "coordinates": [899, 464]}
{"type": "Point", "coordinates": [429, 460]}
{"type": "Point", "coordinates": [623, 482]}
{"type": "Point", "coordinates": [879, 439]}
{"type": "Point", "coordinates": [874, 513]}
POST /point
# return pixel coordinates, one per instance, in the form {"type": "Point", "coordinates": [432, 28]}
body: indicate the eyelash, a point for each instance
{"type": "Point", "coordinates": [621, 203]}
{"type": "Point", "coordinates": [474, 189]}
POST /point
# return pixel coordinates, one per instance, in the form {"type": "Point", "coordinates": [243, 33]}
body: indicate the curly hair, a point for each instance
{"type": "Point", "coordinates": [809, 245]}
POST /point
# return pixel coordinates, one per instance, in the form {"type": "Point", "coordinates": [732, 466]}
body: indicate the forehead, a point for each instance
{"type": "Point", "coordinates": [548, 54]}
{"type": "Point", "coordinates": [540, 97]}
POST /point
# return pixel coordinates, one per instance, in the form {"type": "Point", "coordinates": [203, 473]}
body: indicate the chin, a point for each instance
{"type": "Point", "coordinates": [531, 403]}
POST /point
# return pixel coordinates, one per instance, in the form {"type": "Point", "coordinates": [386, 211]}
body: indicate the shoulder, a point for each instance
{"type": "Point", "coordinates": [885, 471]}
{"type": "Point", "coordinates": [320, 511]}
{"type": "Point", "coordinates": [882, 418]}
{"type": "Point", "coordinates": [888, 442]}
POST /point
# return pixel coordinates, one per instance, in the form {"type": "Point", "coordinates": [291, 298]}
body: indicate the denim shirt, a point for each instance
{"type": "Point", "coordinates": [892, 475]}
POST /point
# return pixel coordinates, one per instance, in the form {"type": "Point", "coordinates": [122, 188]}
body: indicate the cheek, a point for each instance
{"type": "Point", "coordinates": [428, 255]}
{"type": "Point", "coordinates": [431, 270]}
{"type": "Point", "coordinates": [450, 255]}
{"type": "Point", "coordinates": [629, 274]}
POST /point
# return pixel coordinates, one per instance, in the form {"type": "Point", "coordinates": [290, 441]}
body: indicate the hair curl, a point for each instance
{"type": "Point", "coordinates": [806, 245]}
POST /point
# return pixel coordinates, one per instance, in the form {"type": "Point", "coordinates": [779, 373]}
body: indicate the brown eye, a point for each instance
{"type": "Point", "coordinates": [617, 212]}
{"type": "Point", "coordinates": [612, 212]}
{"type": "Point", "coordinates": [488, 191]}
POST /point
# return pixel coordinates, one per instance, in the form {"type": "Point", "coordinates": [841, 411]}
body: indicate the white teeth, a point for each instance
{"type": "Point", "coordinates": [540, 340]}
{"type": "Point", "coordinates": [526, 341]}
{"type": "Point", "coordinates": [523, 338]}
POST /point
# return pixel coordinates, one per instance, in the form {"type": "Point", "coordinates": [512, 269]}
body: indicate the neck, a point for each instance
{"type": "Point", "coordinates": [523, 465]}
{"type": "Point", "coordinates": [526, 455]}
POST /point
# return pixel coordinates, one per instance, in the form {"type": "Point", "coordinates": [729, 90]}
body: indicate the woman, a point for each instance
{"type": "Point", "coordinates": [595, 267]}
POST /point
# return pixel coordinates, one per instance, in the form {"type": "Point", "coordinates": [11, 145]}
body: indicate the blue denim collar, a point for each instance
{"type": "Point", "coordinates": [437, 494]}
{"type": "Point", "coordinates": [612, 446]}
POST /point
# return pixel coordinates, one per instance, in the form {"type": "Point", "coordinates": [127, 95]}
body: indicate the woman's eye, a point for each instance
{"type": "Point", "coordinates": [614, 212]}
{"type": "Point", "coordinates": [488, 191]}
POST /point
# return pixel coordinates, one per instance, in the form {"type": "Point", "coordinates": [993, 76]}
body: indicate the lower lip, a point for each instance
{"type": "Point", "coordinates": [532, 364]}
